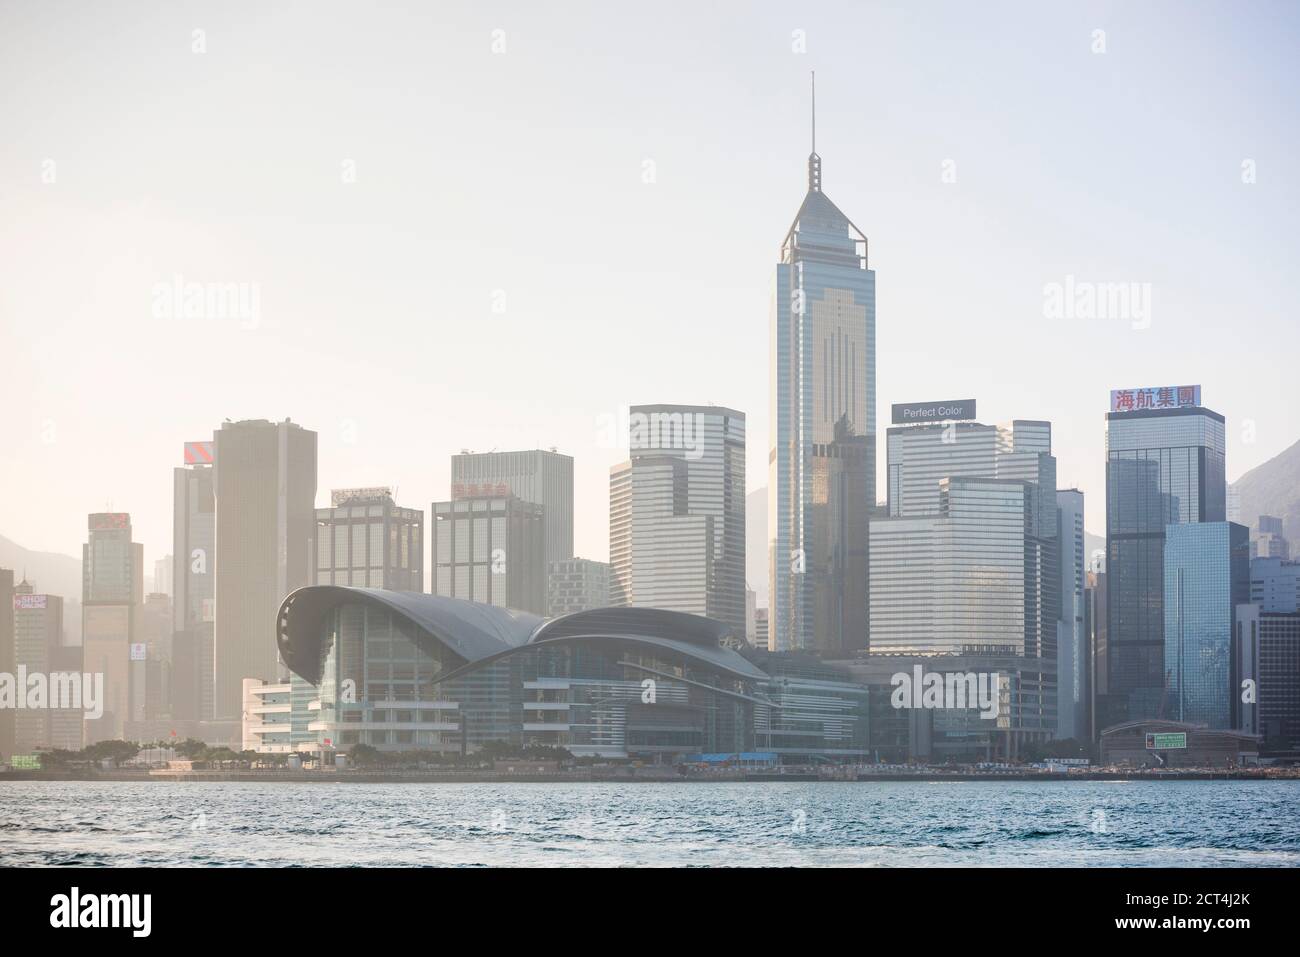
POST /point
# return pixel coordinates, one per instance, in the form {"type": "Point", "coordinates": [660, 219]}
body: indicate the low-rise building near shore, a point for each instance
{"type": "Point", "coordinates": [1176, 744]}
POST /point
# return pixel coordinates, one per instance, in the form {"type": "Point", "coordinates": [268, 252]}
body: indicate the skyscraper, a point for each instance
{"type": "Point", "coordinates": [576, 584]}
{"type": "Point", "coordinates": [365, 538]}
{"type": "Point", "coordinates": [967, 563]}
{"type": "Point", "coordinates": [960, 580]}
{"type": "Point", "coordinates": [1268, 539]}
{"type": "Point", "coordinates": [822, 465]}
{"type": "Point", "coordinates": [112, 590]}
{"type": "Point", "coordinates": [1275, 585]}
{"type": "Point", "coordinates": [8, 663]}
{"type": "Point", "coordinates": [154, 632]}
{"type": "Point", "coordinates": [1164, 466]}
{"type": "Point", "coordinates": [40, 648]}
{"type": "Point", "coordinates": [488, 547]}
{"type": "Point", "coordinates": [1073, 649]}
{"type": "Point", "coordinates": [1206, 576]}
{"type": "Point", "coordinates": [1097, 622]}
{"type": "Point", "coordinates": [940, 443]}
{"type": "Point", "coordinates": [265, 484]}
{"type": "Point", "coordinates": [194, 534]}
{"type": "Point", "coordinates": [965, 589]}
{"type": "Point", "coordinates": [162, 576]}
{"type": "Point", "coordinates": [1267, 652]}
{"type": "Point", "coordinates": [620, 534]}
{"type": "Point", "coordinates": [672, 549]}
{"type": "Point", "coordinates": [688, 510]}
{"type": "Point", "coordinates": [542, 477]}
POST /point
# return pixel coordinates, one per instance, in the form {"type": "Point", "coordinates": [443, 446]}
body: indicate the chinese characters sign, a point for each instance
{"type": "Point", "coordinates": [102, 521]}
{"type": "Point", "coordinates": [462, 490]}
{"type": "Point", "coordinates": [1161, 397]}
{"type": "Point", "coordinates": [360, 496]}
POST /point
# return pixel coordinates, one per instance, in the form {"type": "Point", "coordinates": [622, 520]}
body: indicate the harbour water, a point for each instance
{"type": "Point", "coordinates": [978, 823]}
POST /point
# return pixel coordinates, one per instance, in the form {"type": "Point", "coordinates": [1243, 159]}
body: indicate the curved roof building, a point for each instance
{"type": "Point", "coordinates": [406, 670]}
{"type": "Point", "coordinates": [471, 630]}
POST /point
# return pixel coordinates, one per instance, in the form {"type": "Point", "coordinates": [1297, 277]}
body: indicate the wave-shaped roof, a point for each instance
{"type": "Point", "coordinates": [693, 629]}
{"type": "Point", "coordinates": [479, 633]}
{"type": "Point", "coordinates": [471, 630]}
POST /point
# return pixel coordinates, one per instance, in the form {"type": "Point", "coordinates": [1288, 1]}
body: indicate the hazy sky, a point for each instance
{"type": "Point", "coordinates": [483, 181]}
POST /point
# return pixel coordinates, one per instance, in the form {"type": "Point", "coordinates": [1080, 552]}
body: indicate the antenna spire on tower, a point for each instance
{"type": "Point", "coordinates": [814, 161]}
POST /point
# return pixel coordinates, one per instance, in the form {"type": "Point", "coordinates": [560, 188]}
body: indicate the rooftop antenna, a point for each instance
{"type": "Point", "coordinates": [814, 161]}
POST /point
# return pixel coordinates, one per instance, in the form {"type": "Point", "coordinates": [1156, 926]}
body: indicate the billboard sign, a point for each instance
{"type": "Point", "coordinates": [198, 453]}
{"type": "Point", "coordinates": [100, 521]}
{"type": "Point", "coordinates": [139, 651]}
{"type": "Point", "coordinates": [462, 490]}
{"type": "Point", "coordinates": [1159, 397]}
{"type": "Point", "coordinates": [347, 496]}
{"type": "Point", "coordinates": [22, 602]}
{"type": "Point", "coordinates": [910, 413]}
{"type": "Point", "coordinates": [1168, 741]}
{"type": "Point", "coordinates": [25, 762]}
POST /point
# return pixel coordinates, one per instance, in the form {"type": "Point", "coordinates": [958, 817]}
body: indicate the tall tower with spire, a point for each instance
{"type": "Point", "coordinates": [822, 465]}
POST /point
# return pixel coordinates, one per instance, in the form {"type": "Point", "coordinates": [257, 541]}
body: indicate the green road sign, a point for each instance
{"type": "Point", "coordinates": [1167, 741]}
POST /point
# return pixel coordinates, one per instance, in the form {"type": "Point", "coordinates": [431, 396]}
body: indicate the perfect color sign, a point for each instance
{"type": "Point", "coordinates": [1160, 397]}
{"type": "Point", "coordinates": [909, 413]}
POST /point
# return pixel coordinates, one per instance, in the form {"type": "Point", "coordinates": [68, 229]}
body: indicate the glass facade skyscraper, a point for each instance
{"type": "Point", "coordinates": [687, 509]}
{"type": "Point", "coordinates": [576, 584]}
{"type": "Point", "coordinates": [1073, 658]}
{"type": "Point", "coordinates": [365, 538]}
{"type": "Point", "coordinates": [8, 665]}
{"type": "Point", "coordinates": [1267, 651]}
{"type": "Point", "coordinates": [961, 581]}
{"type": "Point", "coordinates": [112, 590]}
{"type": "Point", "coordinates": [1275, 584]}
{"type": "Point", "coordinates": [194, 536]}
{"type": "Point", "coordinates": [822, 465]}
{"type": "Point", "coordinates": [265, 487]}
{"type": "Point", "coordinates": [968, 561]}
{"type": "Point", "coordinates": [543, 477]}
{"type": "Point", "coordinates": [39, 646]}
{"type": "Point", "coordinates": [490, 548]}
{"type": "Point", "coordinates": [1163, 467]}
{"type": "Point", "coordinates": [1206, 575]}
{"type": "Point", "coordinates": [620, 535]}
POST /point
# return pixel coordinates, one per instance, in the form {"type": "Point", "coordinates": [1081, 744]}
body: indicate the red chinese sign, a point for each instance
{"type": "Point", "coordinates": [1160, 397]}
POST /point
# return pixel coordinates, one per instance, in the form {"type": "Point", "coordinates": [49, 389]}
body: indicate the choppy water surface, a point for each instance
{"type": "Point", "coordinates": [1195, 823]}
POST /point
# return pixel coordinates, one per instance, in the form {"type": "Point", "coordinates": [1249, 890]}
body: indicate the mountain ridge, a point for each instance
{"type": "Point", "coordinates": [1272, 488]}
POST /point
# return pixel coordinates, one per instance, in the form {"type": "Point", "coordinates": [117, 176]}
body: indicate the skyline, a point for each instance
{"type": "Point", "coordinates": [349, 273]}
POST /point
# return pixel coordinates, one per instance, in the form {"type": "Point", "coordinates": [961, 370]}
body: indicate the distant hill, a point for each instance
{"type": "Point", "coordinates": [1273, 489]}
{"type": "Point", "coordinates": [52, 573]}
